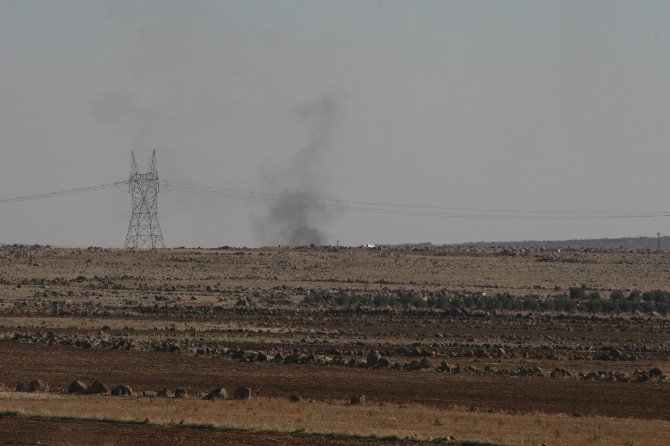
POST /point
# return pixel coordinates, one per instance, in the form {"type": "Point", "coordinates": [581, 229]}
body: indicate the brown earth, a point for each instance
{"type": "Point", "coordinates": [25, 431]}
{"type": "Point", "coordinates": [127, 309]}
{"type": "Point", "coordinates": [538, 271]}
{"type": "Point", "coordinates": [60, 365]}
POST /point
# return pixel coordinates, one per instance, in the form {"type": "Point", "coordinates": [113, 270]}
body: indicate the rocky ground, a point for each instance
{"type": "Point", "coordinates": [198, 319]}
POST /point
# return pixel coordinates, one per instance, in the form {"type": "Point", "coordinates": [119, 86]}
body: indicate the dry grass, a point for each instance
{"type": "Point", "coordinates": [336, 417]}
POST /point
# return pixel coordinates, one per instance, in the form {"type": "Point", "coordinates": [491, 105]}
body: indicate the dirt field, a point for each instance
{"type": "Point", "coordinates": [151, 371]}
{"type": "Point", "coordinates": [340, 420]}
{"type": "Point", "coordinates": [403, 327]}
{"type": "Point", "coordinates": [75, 432]}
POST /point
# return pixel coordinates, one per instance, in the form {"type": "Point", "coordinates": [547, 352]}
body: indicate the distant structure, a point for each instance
{"type": "Point", "coordinates": [144, 231]}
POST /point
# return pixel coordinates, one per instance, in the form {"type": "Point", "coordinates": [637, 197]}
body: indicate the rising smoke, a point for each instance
{"type": "Point", "coordinates": [292, 221]}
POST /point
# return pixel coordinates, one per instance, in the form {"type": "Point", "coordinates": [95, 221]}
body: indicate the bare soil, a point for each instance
{"type": "Point", "coordinates": [201, 319]}
{"type": "Point", "coordinates": [26, 431]}
{"type": "Point", "coordinates": [150, 371]}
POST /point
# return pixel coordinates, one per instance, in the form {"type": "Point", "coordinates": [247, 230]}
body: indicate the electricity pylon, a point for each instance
{"type": "Point", "coordinates": [144, 231]}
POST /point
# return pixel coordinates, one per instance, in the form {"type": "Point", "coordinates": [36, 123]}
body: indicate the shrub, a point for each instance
{"type": "Point", "coordinates": [593, 295]}
{"type": "Point", "coordinates": [405, 299]}
{"type": "Point", "coordinates": [563, 303]}
{"type": "Point", "coordinates": [656, 296]}
{"type": "Point", "coordinates": [530, 304]}
{"type": "Point", "coordinates": [594, 305]}
{"type": "Point", "coordinates": [417, 301]}
{"type": "Point", "coordinates": [617, 295]}
{"type": "Point", "coordinates": [635, 295]}
{"type": "Point", "coordinates": [468, 301]}
{"type": "Point", "coordinates": [626, 306]}
{"type": "Point", "coordinates": [611, 306]}
{"type": "Point", "coordinates": [663, 307]}
{"type": "Point", "coordinates": [578, 292]}
{"type": "Point", "coordinates": [547, 305]}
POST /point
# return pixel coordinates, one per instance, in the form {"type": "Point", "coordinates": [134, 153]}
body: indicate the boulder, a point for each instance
{"type": "Point", "coordinates": [656, 373]}
{"type": "Point", "coordinates": [165, 393]}
{"type": "Point", "coordinates": [373, 358]}
{"type": "Point", "coordinates": [294, 397]}
{"type": "Point", "coordinates": [383, 363]}
{"type": "Point", "coordinates": [293, 358]}
{"type": "Point", "coordinates": [357, 399]}
{"type": "Point", "coordinates": [77, 387]}
{"type": "Point", "coordinates": [99, 388]}
{"type": "Point", "coordinates": [122, 390]}
{"type": "Point", "coordinates": [425, 363]}
{"type": "Point", "coordinates": [444, 367]}
{"type": "Point", "coordinates": [37, 385]}
{"type": "Point", "coordinates": [180, 393]}
{"type": "Point", "coordinates": [242, 393]}
{"type": "Point", "coordinates": [219, 393]}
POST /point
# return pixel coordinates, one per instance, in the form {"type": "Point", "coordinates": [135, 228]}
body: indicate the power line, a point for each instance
{"type": "Point", "coordinates": [406, 182]}
{"type": "Point", "coordinates": [392, 181]}
{"type": "Point", "coordinates": [61, 193]}
{"type": "Point", "coordinates": [64, 160]}
{"type": "Point", "coordinates": [381, 208]}
{"type": "Point", "coordinates": [358, 206]}
{"type": "Point", "coordinates": [307, 198]}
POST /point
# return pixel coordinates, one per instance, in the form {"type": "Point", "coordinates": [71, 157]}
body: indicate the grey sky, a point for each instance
{"type": "Point", "coordinates": [495, 105]}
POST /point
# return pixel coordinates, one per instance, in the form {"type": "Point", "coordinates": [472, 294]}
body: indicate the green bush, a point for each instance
{"type": "Point", "coordinates": [635, 295]}
{"type": "Point", "coordinates": [611, 306]}
{"type": "Point", "coordinates": [647, 302]}
{"type": "Point", "coordinates": [594, 305]}
{"type": "Point", "coordinates": [617, 295]}
{"type": "Point", "coordinates": [578, 292]}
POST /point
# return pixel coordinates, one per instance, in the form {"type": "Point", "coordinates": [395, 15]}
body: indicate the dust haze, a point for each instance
{"type": "Point", "coordinates": [531, 106]}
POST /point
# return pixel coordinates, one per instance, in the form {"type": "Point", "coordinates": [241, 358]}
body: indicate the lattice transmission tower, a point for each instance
{"type": "Point", "coordinates": [144, 231]}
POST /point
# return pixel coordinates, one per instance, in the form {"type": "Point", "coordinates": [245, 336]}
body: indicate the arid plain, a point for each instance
{"type": "Point", "coordinates": [334, 346]}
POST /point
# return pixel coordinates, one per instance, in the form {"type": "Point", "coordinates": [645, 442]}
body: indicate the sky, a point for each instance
{"type": "Point", "coordinates": [419, 121]}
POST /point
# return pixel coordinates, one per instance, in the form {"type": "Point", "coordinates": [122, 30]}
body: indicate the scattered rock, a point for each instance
{"type": "Point", "coordinates": [180, 393]}
{"type": "Point", "coordinates": [242, 393]}
{"type": "Point", "coordinates": [122, 390]}
{"type": "Point", "coordinates": [99, 388]}
{"type": "Point", "coordinates": [425, 363]}
{"type": "Point", "coordinates": [37, 385]}
{"type": "Point", "coordinates": [373, 358]}
{"type": "Point", "coordinates": [383, 363]}
{"type": "Point", "coordinates": [294, 397]}
{"type": "Point", "coordinates": [655, 373]}
{"type": "Point", "coordinates": [77, 387]}
{"type": "Point", "coordinates": [357, 399]}
{"type": "Point", "coordinates": [293, 358]}
{"type": "Point", "coordinates": [165, 393]}
{"type": "Point", "coordinates": [218, 393]}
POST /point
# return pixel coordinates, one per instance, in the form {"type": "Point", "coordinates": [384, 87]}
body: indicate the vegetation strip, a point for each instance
{"type": "Point", "coordinates": [576, 300]}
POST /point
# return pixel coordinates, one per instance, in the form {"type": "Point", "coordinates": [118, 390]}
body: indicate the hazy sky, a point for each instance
{"type": "Point", "coordinates": [523, 105]}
